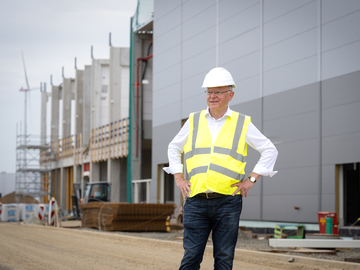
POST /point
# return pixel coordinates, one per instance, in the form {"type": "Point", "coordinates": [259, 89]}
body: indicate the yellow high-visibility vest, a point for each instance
{"type": "Point", "coordinates": [216, 166]}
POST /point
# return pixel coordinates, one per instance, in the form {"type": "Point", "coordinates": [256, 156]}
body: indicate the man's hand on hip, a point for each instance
{"type": "Point", "coordinates": [182, 184]}
{"type": "Point", "coordinates": [245, 185]}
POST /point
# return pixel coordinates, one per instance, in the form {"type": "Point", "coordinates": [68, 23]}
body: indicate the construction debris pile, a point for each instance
{"type": "Point", "coordinates": [108, 216]}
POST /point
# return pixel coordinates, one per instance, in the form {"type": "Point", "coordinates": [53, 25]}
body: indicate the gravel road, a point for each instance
{"type": "Point", "coordinates": [39, 247]}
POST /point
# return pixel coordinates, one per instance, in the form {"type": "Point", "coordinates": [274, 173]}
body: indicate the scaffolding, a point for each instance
{"type": "Point", "coordinates": [32, 167]}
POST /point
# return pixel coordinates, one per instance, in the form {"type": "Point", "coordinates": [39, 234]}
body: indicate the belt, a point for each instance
{"type": "Point", "coordinates": [210, 195]}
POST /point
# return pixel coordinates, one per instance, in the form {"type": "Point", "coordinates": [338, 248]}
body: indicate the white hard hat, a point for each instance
{"type": "Point", "coordinates": [218, 77]}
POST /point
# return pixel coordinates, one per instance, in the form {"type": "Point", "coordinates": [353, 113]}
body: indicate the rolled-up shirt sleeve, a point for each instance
{"type": "Point", "coordinates": [175, 150]}
{"type": "Point", "coordinates": [266, 148]}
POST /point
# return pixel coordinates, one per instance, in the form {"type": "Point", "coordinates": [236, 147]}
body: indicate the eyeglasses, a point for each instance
{"type": "Point", "coordinates": [216, 93]}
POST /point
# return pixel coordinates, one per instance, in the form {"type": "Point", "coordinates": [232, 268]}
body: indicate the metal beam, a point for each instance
{"type": "Point", "coordinates": [314, 243]}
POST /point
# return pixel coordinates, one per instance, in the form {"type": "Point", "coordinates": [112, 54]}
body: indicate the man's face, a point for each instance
{"type": "Point", "coordinates": [219, 98]}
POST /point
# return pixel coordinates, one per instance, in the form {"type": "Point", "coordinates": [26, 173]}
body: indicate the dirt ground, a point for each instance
{"type": "Point", "coordinates": [39, 247]}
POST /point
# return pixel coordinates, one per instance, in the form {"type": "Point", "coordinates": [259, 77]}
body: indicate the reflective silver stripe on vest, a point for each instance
{"type": "Point", "coordinates": [226, 151]}
{"type": "Point", "coordinates": [197, 170]}
{"type": "Point", "coordinates": [233, 151]}
{"type": "Point", "coordinates": [227, 172]}
{"type": "Point", "coordinates": [197, 151]}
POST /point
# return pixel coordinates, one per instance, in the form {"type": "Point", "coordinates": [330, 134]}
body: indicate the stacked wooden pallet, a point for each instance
{"type": "Point", "coordinates": [127, 216]}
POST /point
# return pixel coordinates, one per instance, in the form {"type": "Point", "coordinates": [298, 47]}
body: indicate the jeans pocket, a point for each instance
{"type": "Point", "coordinates": [234, 199]}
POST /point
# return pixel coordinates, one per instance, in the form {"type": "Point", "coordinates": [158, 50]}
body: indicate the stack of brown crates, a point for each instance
{"type": "Point", "coordinates": [127, 216]}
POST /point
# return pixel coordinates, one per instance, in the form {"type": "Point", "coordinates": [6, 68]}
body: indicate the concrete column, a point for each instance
{"type": "Point", "coordinates": [99, 92]}
{"type": "Point", "coordinates": [86, 105]}
{"type": "Point", "coordinates": [94, 172]}
{"type": "Point", "coordinates": [55, 97]}
{"type": "Point", "coordinates": [77, 170]}
{"type": "Point", "coordinates": [79, 102]}
{"type": "Point", "coordinates": [114, 170]}
{"type": "Point", "coordinates": [118, 109]}
{"type": "Point", "coordinates": [44, 100]}
{"type": "Point", "coordinates": [67, 96]}
{"type": "Point", "coordinates": [62, 188]}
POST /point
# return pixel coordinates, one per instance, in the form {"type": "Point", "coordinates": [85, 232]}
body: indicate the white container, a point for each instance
{"type": "Point", "coordinates": [27, 209]}
{"type": "Point", "coordinates": [10, 212]}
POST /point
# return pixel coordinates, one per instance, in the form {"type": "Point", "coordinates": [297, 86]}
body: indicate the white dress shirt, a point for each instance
{"type": "Point", "coordinates": [254, 138]}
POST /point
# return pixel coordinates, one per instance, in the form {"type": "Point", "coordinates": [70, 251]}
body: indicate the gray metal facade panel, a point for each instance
{"type": "Point", "coordinates": [164, 134]}
{"type": "Point", "coordinates": [282, 207]}
{"type": "Point", "coordinates": [163, 7]}
{"type": "Point", "coordinates": [231, 8]}
{"type": "Point", "coordinates": [328, 179]}
{"type": "Point", "coordinates": [340, 61]}
{"type": "Point", "coordinates": [199, 64]}
{"type": "Point", "coordinates": [292, 102]}
{"type": "Point", "coordinates": [298, 154]}
{"type": "Point", "coordinates": [247, 90]}
{"type": "Point", "coordinates": [168, 58]}
{"type": "Point", "coordinates": [340, 32]}
{"type": "Point", "coordinates": [166, 95]}
{"type": "Point", "coordinates": [334, 9]}
{"type": "Point", "coordinates": [240, 46]}
{"type": "Point", "coordinates": [238, 24]}
{"type": "Point", "coordinates": [166, 78]}
{"type": "Point", "coordinates": [293, 128]}
{"type": "Point", "coordinates": [167, 113]}
{"type": "Point", "coordinates": [293, 75]}
{"type": "Point", "coordinates": [202, 21]}
{"type": "Point", "coordinates": [198, 44]}
{"type": "Point", "coordinates": [341, 149]}
{"type": "Point", "coordinates": [169, 21]}
{"type": "Point", "coordinates": [241, 68]}
{"type": "Point", "coordinates": [167, 40]}
{"type": "Point", "coordinates": [291, 50]}
{"type": "Point", "coordinates": [250, 208]}
{"type": "Point", "coordinates": [193, 9]}
{"type": "Point", "coordinates": [328, 202]}
{"type": "Point", "coordinates": [341, 119]}
{"type": "Point", "coordinates": [192, 86]}
{"type": "Point", "coordinates": [290, 24]}
{"type": "Point", "coordinates": [274, 9]}
{"type": "Point", "coordinates": [292, 181]}
{"type": "Point", "coordinates": [193, 104]}
{"type": "Point", "coordinates": [341, 90]}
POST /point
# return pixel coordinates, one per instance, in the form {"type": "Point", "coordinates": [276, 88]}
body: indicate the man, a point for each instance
{"type": "Point", "coordinates": [214, 142]}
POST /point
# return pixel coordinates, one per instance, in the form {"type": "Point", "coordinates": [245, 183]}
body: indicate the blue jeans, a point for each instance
{"type": "Point", "coordinates": [219, 215]}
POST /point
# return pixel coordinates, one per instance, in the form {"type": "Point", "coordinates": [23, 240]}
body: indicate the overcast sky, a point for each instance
{"type": "Point", "coordinates": [50, 34]}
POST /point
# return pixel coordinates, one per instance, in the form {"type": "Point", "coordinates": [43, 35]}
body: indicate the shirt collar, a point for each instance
{"type": "Point", "coordinates": [228, 113]}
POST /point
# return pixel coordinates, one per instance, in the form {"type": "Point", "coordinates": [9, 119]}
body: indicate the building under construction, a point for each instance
{"type": "Point", "coordinates": [296, 66]}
